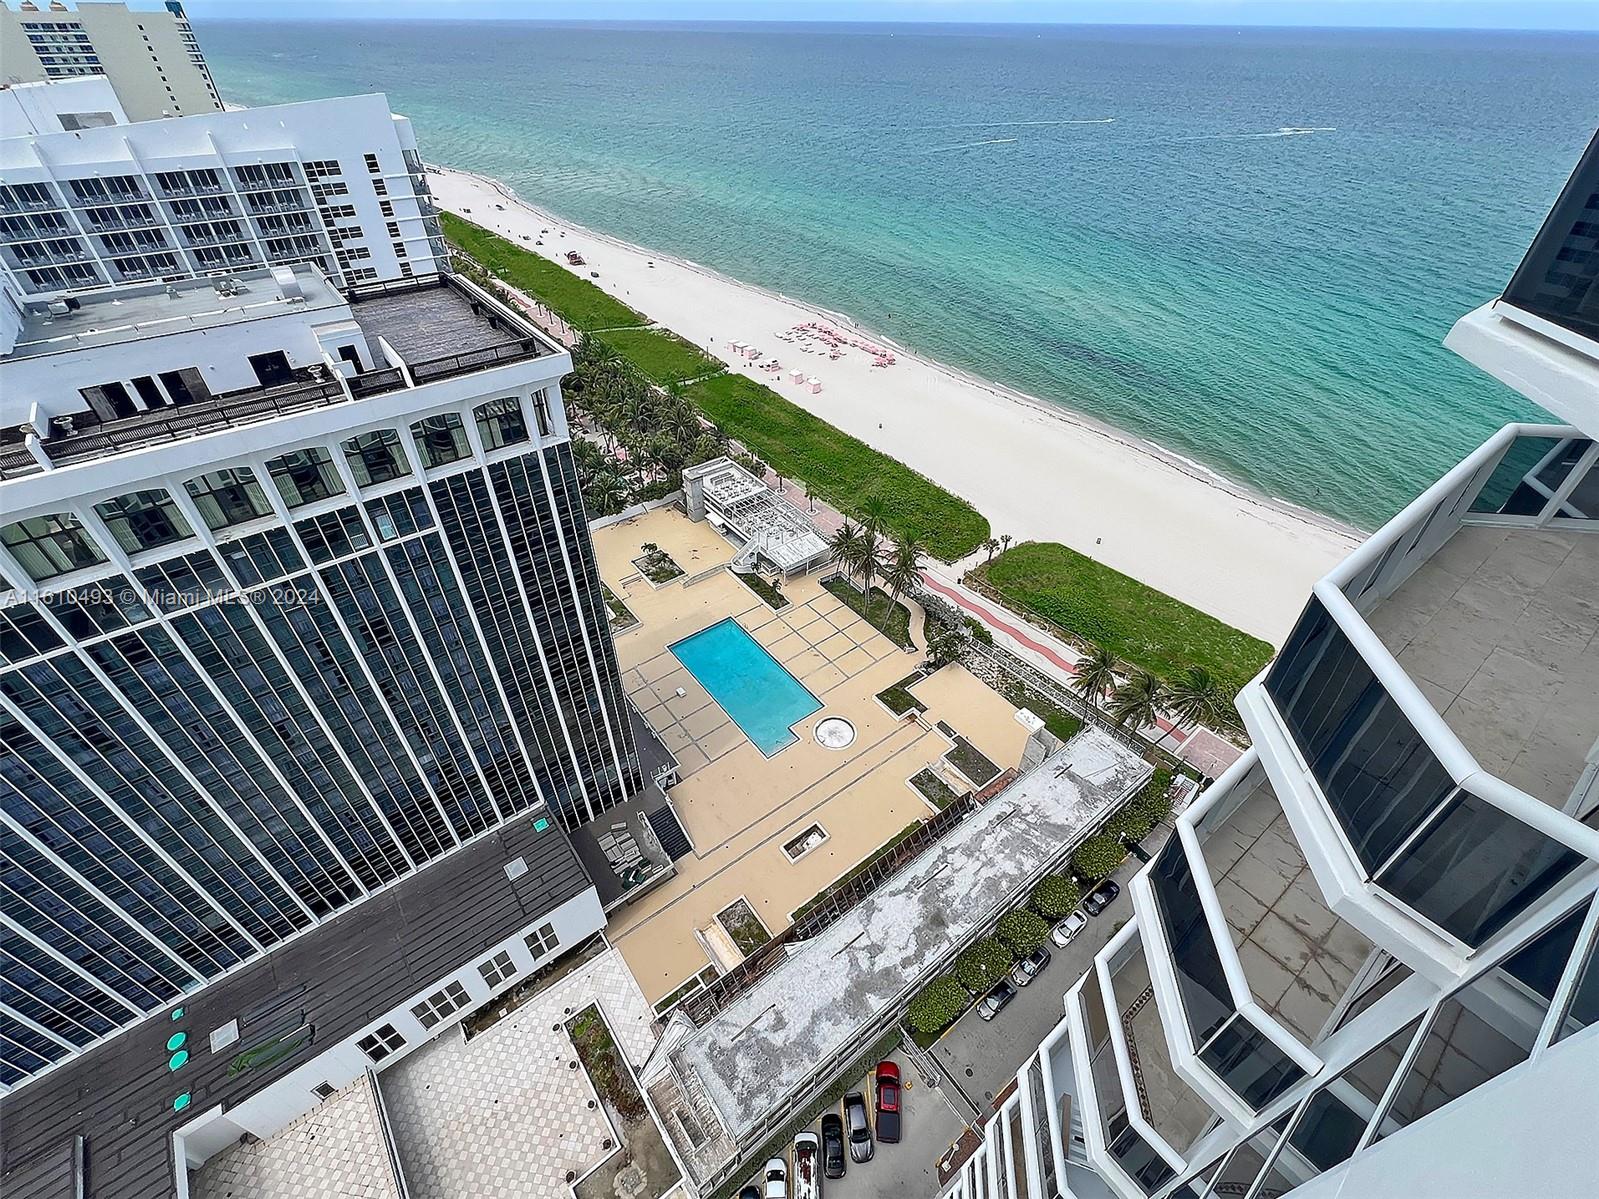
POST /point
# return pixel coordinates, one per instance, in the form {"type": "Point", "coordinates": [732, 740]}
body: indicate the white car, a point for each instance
{"type": "Point", "coordinates": [776, 1179]}
{"type": "Point", "coordinates": [1068, 928]}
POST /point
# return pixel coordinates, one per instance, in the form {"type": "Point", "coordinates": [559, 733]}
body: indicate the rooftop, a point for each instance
{"type": "Point", "coordinates": [1500, 631]}
{"type": "Point", "coordinates": [386, 948]}
{"type": "Point", "coordinates": [119, 315]}
{"type": "Point", "coordinates": [766, 1043]}
{"type": "Point", "coordinates": [416, 319]}
{"type": "Point", "coordinates": [761, 518]}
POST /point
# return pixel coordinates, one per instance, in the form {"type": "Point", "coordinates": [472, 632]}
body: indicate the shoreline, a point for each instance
{"type": "Point", "coordinates": [1264, 586]}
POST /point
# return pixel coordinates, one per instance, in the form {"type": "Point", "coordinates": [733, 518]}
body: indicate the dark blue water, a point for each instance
{"type": "Point", "coordinates": [1245, 245]}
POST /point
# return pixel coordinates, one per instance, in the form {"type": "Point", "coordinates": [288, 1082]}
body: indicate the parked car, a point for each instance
{"type": "Point", "coordinates": [776, 1179]}
{"type": "Point", "coordinates": [1068, 928]}
{"type": "Point", "coordinates": [1101, 897]}
{"type": "Point", "coordinates": [859, 1127]}
{"type": "Point", "coordinates": [886, 1077]}
{"type": "Point", "coordinates": [750, 1192]}
{"type": "Point", "coordinates": [832, 1146]}
{"type": "Point", "coordinates": [807, 1166]}
{"type": "Point", "coordinates": [994, 1002]}
{"type": "Point", "coordinates": [1030, 967]}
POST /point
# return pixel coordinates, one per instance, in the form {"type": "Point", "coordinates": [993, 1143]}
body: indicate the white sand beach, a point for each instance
{"type": "Point", "coordinates": [1037, 470]}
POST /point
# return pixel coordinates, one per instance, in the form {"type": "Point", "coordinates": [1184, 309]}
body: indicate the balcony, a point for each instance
{"type": "Point", "coordinates": [1430, 723]}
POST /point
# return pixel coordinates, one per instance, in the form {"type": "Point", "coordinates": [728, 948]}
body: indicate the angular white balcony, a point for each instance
{"type": "Point", "coordinates": [1430, 725]}
{"type": "Point", "coordinates": [1247, 963]}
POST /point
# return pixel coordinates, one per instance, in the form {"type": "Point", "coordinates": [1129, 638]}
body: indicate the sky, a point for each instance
{"type": "Point", "coordinates": [1447, 14]}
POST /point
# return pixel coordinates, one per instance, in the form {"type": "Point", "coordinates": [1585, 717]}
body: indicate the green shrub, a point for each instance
{"type": "Point", "coordinates": [1140, 814]}
{"type": "Point", "coordinates": [1022, 930]}
{"type": "Point", "coordinates": [938, 1005]}
{"type": "Point", "coordinates": [983, 965]}
{"type": "Point", "coordinates": [1097, 857]}
{"type": "Point", "coordinates": [1055, 896]}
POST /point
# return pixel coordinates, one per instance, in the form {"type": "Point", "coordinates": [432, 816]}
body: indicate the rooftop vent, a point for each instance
{"type": "Point", "coordinates": [515, 868]}
{"type": "Point", "coordinates": [287, 283]}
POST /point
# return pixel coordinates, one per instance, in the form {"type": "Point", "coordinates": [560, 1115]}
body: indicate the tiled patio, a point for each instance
{"type": "Point", "coordinates": [1500, 631]}
{"type": "Point", "coordinates": [740, 807]}
{"type": "Point", "coordinates": [1299, 958]}
{"type": "Point", "coordinates": [506, 1113]}
{"type": "Point", "coordinates": [334, 1151]}
{"type": "Point", "coordinates": [1167, 1102]}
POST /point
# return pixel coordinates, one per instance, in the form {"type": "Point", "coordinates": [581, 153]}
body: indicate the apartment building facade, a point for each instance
{"type": "Point", "coordinates": [337, 183]}
{"type": "Point", "coordinates": [306, 676]}
{"type": "Point", "coordinates": [150, 57]}
{"type": "Point", "coordinates": [1365, 963]}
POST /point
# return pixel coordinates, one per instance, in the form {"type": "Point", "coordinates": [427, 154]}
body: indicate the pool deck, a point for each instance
{"type": "Point", "coordinates": [740, 807]}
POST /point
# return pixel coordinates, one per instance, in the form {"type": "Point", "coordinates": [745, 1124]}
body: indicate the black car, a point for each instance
{"type": "Point", "coordinates": [832, 1146]}
{"type": "Point", "coordinates": [994, 1002]}
{"type": "Point", "coordinates": [750, 1192]}
{"type": "Point", "coordinates": [1101, 897]}
{"type": "Point", "coordinates": [859, 1125]}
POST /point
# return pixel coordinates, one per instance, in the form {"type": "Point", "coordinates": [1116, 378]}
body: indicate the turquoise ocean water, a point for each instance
{"type": "Point", "coordinates": [1244, 245]}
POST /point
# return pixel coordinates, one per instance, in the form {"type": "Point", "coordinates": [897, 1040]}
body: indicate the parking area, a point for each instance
{"type": "Point", "coordinates": [909, 1169]}
{"type": "Point", "coordinates": [981, 1057]}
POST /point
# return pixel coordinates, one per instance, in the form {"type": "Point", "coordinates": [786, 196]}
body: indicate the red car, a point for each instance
{"type": "Point", "coordinates": [887, 1088]}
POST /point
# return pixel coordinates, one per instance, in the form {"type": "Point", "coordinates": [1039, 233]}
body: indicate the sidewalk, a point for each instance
{"type": "Point", "coordinates": [1202, 748]}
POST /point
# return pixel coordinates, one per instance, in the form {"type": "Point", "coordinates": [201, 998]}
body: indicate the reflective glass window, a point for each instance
{"type": "Point", "coordinates": [47, 546]}
{"type": "Point", "coordinates": [305, 476]}
{"type": "Point", "coordinates": [143, 520]}
{"type": "Point", "coordinates": [500, 423]}
{"type": "Point", "coordinates": [441, 439]}
{"type": "Point", "coordinates": [376, 457]}
{"type": "Point", "coordinates": [228, 497]}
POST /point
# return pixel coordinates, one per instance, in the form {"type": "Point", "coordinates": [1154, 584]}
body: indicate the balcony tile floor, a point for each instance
{"type": "Point", "coordinates": [1500, 631]}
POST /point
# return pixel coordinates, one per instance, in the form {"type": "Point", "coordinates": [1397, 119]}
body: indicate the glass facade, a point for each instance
{"type": "Point", "coordinates": [233, 743]}
{"type": "Point", "coordinates": [1558, 280]}
{"type": "Point", "coordinates": [441, 439]}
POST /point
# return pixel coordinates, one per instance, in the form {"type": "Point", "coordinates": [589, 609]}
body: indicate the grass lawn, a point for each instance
{"type": "Point", "coordinates": [1141, 625]}
{"type": "Point", "coordinates": [839, 468]}
{"type": "Point", "coordinates": [774, 598]}
{"type": "Point", "coordinates": [899, 698]}
{"type": "Point", "coordinates": [888, 617]}
{"type": "Point", "coordinates": [933, 788]}
{"type": "Point", "coordinates": [971, 762]}
{"type": "Point", "coordinates": [662, 355]}
{"type": "Point", "coordinates": [1056, 719]}
{"type": "Point", "coordinates": [574, 299]}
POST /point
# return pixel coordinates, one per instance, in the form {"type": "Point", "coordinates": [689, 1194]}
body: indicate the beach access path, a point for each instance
{"type": "Point", "coordinates": [1038, 471]}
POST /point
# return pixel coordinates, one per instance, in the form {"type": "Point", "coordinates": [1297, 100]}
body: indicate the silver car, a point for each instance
{"type": "Point", "coordinates": [1068, 928]}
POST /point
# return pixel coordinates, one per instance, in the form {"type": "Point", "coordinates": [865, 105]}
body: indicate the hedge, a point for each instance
{"type": "Point", "coordinates": [1098, 856]}
{"type": "Point", "coordinates": [938, 1005]}
{"type": "Point", "coordinates": [983, 964]}
{"type": "Point", "coordinates": [1022, 930]}
{"type": "Point", "coordinates": [1145, 810]}
{"type": "Point", "coordinates": [1055, 896]}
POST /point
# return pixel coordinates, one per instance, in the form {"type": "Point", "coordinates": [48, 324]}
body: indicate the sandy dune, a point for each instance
{"type": "Point", "coordinates": [1037, 470]}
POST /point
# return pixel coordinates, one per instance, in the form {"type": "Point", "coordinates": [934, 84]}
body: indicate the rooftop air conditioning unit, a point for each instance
{"type": "Point", "coordinates": [59, 308]}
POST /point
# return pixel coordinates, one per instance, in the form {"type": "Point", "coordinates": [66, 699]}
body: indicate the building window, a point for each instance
{"type": "Point", "coordinates": [441, 439]}
{"type": "Point", "coordinates": [376, 457]}
{"type": "Point", "coordinates": [47, 546]}
{"type": "Point", "coordinates": [305, 476]}
{"type": "Point", "coordinates": [380, 1043]}
{"type": "Point", "coordinates": [497, 969]}
{"type": "Point", "coordinates": [542, 940]}
{"type": "Point", "coordinates": [371, 162]}
{"type": "Point", "coordinates": [541, 412]}
{"type": "Point", "coordinates": [500, 423]}
{"type": "Point", "coordinates": [228, 497]}
{"type": "Point", "coordinates": [143, 520]}
{"type": "Point", "coordinates": [441, 1004]}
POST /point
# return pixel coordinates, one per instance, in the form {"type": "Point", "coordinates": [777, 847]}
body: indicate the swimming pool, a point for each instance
{"type": "Point", "coordinates": [753, 688]}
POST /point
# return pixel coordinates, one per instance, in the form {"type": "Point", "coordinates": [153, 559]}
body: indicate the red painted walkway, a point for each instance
{"type": "Point", "coordinates": [983, 613]}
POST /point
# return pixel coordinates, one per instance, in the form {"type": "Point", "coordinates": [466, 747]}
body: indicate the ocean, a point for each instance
{"type": "Point", "coordinates": [1245, 245]}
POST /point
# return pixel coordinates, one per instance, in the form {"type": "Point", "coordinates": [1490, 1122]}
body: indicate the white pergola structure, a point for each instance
{"type": "Point", "coordinates": [762, 522]}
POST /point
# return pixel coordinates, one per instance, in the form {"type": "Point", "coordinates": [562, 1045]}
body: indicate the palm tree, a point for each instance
{"type": "Point", "coordinates": [609, 492]}
{"type": "Point", "coordinates": [1138, 700]}
{"type": "Point", "coordinates": [845, 545]}
{"type": "Point", "coordinates": [1096, 674]}
{"type": "Point", "coordinates": [991, 545]}
{"type": "Point", "coordinates": [870, 562]}
{"type": "Point", "coordinates": [875, 515]}
{"type": "Point", "coordinates": [903, 569]}
{"type": "Point", "coordinates": [1005, 539]}
{"type": "Point", "coordinates": [1196, 698]}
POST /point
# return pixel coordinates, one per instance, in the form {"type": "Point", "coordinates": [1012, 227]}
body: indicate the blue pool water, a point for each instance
{"type": "Point", "coordinates": [762, 698]}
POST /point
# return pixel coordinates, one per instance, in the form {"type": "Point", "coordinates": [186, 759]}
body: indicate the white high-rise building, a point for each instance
{"type": "Point", "coordinates": [1365, 965]}
{"type": "Point", "coordinates": [151, 57]}
{"type": "Point", "coordinates": [337, 183]}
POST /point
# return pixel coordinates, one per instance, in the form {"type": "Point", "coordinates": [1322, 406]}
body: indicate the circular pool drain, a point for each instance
{"type": "Point", "coordinates": [835, 732]}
